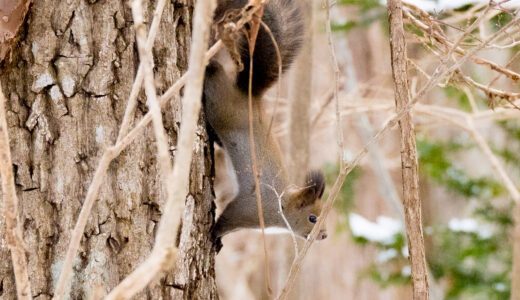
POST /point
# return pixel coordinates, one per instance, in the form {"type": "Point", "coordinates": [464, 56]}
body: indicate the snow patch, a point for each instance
{"type": "Point", "coordinates": [383, 231]}
{"type": "Point", "coordinates": [404, 251]}
{"type": "Point", "coordinates": [470, 225]}
{"type": "Point", "coordinates": [386, 255]}
{"type": "Point", "coordinates": [499, 287]}
{"type": "Point", "coordinates": [406, 271]}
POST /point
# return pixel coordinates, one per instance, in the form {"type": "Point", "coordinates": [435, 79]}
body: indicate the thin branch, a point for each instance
{"type": "Point", "coordinates": [163, 254]}
{"type": "Point", "coordinates": [113, 152]}
{"type": "Point", "coordinates": [441, 71]}
{"type": "Point", "coordinates": [489, 91]}
{"type": "Point", "coordinates": [10, 210]}
{"type": "Point", "coordinates": [439, 37]}
{"type": "Point", "coordinates": [279, 61]}
{"type": "Point", "coordinates": [280, 211]}
{"type": "Point", "coordinates": [255, 166]}
{"type": "Point", "coordinates": [495, 163]}
{"type": "Point", "coordinates": [62, 285]}
{"type": "Point", "coordinates": [387, 188]}
{"type": "Point", "coordinates": [335, 65]}
{"type": "Point", "coordinates": [108, 156]}
{"type": "Point", "coordinates": [163, 159]}
{"type": "Point", "coordinates": [136, 87]}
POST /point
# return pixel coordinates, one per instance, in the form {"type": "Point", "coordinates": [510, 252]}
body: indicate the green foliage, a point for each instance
{"type": "Point", "coordinates": [474, 261]}
{"type": "Point", "coordinates": [434, 163]}
{"type": "Point", "coordinates": [370, 11]}
{"type": "Point", "coordinates": [390, 273]}
{"type": "Point", "coordinates": [500, 20]}
{"type": "Point", "coordinates": [460, 96]}
{"type": "Point", "coordinates": [391, 266]}
{"type": "Point", "coordinates": [364, 5]}
{"type": "Point", "coordinates": [477, 267]}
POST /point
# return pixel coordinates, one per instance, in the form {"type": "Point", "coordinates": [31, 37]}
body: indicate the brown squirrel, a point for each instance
{"type": "Point", "coordinates": [227, 111]}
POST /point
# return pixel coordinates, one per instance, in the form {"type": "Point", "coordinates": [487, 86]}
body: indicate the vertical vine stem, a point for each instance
{"type": "Point", "coordinates": [164, 251]}
{"type": "Point", "coordinates": [10, 210]}
{"type": "Point", "coordinates": [409, 164]}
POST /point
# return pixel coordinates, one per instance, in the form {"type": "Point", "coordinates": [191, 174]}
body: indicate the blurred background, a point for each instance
{"type": "Point", "coordinates": [467, 212]}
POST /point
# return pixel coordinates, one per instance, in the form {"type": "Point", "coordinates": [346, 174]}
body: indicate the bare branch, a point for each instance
{"type": "Point", "coordinates": [10, 210]}
{"type": "Point", "coordinates": [163, 253]}
{"type": "Point", "coordinates": [113, 152]}
{"type": "Point", "coordinates": [136, 87]}
{"type": "Point", "coordinates": [335, 65]}
{"type": "Point", "coordinates": [441, 71]}
{"type": "Point", "coordinates": [108, 156]}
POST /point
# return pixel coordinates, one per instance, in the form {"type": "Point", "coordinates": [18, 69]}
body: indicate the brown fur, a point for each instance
{"type": "Point", "coordinates": [226, 106]}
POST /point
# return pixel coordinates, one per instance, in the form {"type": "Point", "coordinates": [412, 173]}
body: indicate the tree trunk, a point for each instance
{"type": "Point", "coordinates": [67, 83]}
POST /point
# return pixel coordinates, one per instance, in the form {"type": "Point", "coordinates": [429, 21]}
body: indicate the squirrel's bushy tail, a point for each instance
{"type": "Point", "coordinates": [286, 24]}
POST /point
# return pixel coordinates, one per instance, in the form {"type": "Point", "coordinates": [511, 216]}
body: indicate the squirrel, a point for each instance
{"type": "Point", "coordinates": [226, 106]}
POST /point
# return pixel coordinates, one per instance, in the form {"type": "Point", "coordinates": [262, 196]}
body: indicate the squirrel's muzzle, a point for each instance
{"type": "Point", "coordinates": [322, 235]}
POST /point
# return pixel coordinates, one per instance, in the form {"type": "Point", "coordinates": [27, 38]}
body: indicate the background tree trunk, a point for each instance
{"type": "Point", "coordinates": [67, 84]}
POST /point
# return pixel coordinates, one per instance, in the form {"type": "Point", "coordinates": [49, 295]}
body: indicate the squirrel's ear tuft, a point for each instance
{"type": "Point", "coordinates": [310, 192]}
{"type": "Point", "coordinates": [316, 179]}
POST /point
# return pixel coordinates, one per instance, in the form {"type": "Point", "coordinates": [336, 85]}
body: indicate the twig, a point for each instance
{"type": "Point", "coordinates": [335, 65]}
{"type": "Point", "coordinates": [513, 191]}
{"type": "Point", "coordinates": [325, 101]}
{"type": "Point", "coordinates": [436, 77]}
{"type": "Point", "coordinates": [256, 171]}
{"type": "Point", "coordinates": [10, 210]}
{"type": "Point", "coordinates": [491, 92]}
{"type": "Point", "coordinates": [163, 254]}
{"type": "Point", "coordinates": [136, 87]}
{"type": "Point", "coordinates": [62, 285]}
{"type": "Point", "coordinates": [108, 156]}
{"type": "Point", "coordinates": [439, 37]}
{"type": "Point", "coordinates": [471, 99]}
{"type": "Point", "coordinates": [105, 160]}
{"type": "Point", "coordinates": [280, 210]}
{"type": "Point", "coordinates": [164, 161]}
{"type": "Point", "coordinates": [387, 189]}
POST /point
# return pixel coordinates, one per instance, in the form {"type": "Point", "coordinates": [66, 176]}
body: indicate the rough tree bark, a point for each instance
{"type": "Point", "coordinates": [66, 85]}
{"type": "Point", "coordinates": [412, 203]}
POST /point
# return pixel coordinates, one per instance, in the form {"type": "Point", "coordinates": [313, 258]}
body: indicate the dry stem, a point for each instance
{"type": "Point", "coordinates": [335, 65]}
{"type": "Point", "coordinates": [113, 152]}
{"type": "Point", "coordinates": [409, 164]}
{"type": "Point", "coordinates": [136, 87]}
{"type": "Point", "coordinates": [435, 79]}
{"type": "Point", "coordinates": [10, 210]}
{"type": "Point", "coordinates": [163, 254]}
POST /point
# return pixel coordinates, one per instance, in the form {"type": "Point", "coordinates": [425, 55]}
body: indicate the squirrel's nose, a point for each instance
{"type": "Point", "coordinates": [322, 235]}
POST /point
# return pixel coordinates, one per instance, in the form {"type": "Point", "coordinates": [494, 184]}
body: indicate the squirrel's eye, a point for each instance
{"type": "Point", "coordinates": [313, 219]}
